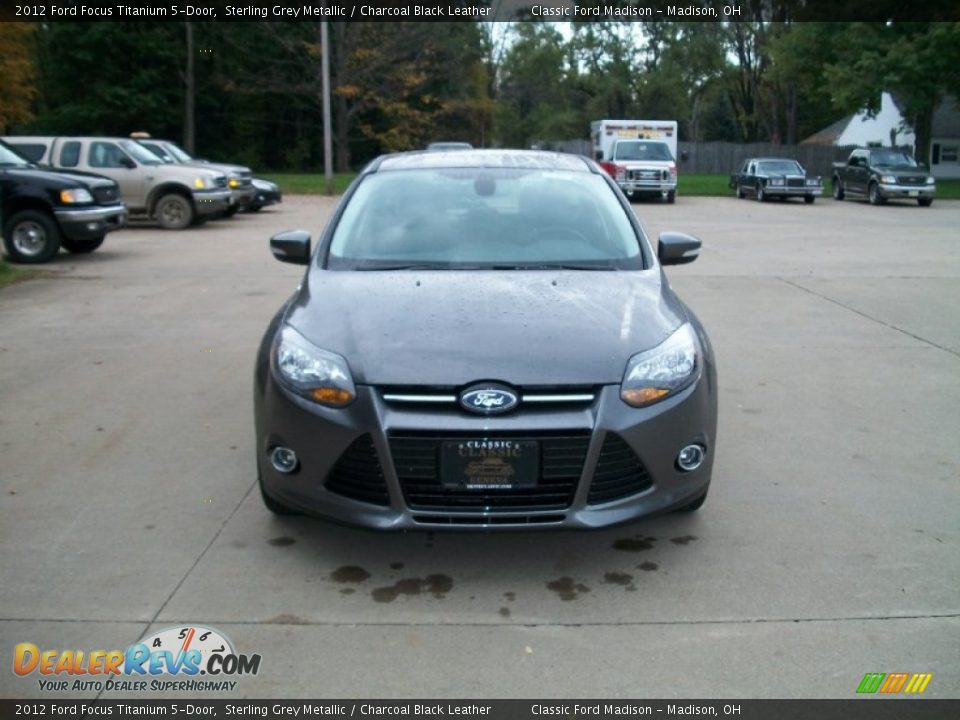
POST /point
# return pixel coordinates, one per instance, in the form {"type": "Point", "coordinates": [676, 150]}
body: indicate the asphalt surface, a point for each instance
{"type": "Point", "coordinates": [829, 546]}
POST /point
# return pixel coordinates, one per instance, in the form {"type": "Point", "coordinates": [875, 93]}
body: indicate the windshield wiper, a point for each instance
{"type": "Point", "coordinates": [553, 266]}
{"type": "Point", "coordinates": [412, 266]}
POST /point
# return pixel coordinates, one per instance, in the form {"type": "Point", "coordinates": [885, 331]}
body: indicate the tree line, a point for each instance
{"type": "Point", "coordinates": [255, 88]}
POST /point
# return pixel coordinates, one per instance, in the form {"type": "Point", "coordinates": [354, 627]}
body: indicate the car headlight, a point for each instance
{"type": "Point", "coordinates": [75, 195]}
{"type": "Point", "coordinates": [813, 181]}
{"type": "Point", "coordinates": [930, 180]}
{"type": "Point", "coordinates": [202, 183]}
{"type": "Point", "coordinates": [233, 183]}
{"type": "Point", "coordinates": [776, 181]}
{"type": "Point", "coordinates": [888, 179]}
{"type": "Point", "coordinates": [657, 373]}
{"type": "Point", "coordinates": [315, 374]}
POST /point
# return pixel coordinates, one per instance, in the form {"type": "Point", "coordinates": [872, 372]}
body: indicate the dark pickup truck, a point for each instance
{"type": "Point", "coordinates": [42, 210]}
{"type": "Point", "coordinates": [881, 174]}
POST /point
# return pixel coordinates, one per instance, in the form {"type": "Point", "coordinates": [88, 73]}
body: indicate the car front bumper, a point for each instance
{"type": "Point", "coordinates": [211, 202]}
{"type": "Point", "coordinates": [92, 222]}
{"type": "Point", "coordinates": [377, 463]}
{"type": "Point", "coordinates": [243, 196]}
{"type": "Point", "coordinates": [778, 190]}
{"type": "Point", "coordinates": [647, 186]}
{"type": "Point", "coordinates": [907, 191]}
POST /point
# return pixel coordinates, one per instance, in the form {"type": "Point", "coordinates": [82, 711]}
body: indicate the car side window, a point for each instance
{"type": "Point", "coordinates": [106, 155]}
{"type": "Point", "coordinates": [70, 154]}
{"type": "Point", "coordinates": [752, 170]}
{"type": "Point", "coordinates": [30, 151]}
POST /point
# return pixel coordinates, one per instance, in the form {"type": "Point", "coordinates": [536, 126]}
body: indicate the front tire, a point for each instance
{"type": "Point", "coordinates": [873, 194]}
{"type": "Point", "coordinates": [761, 194]}
{"type": "Point", "coordinates": [837, 188]}
{"type": "Point", "coordinates": [740, 193]}
{"type": "Point", "coordinates": [81, 247]}
{"type": "Point", "coordinates": [671, 197]}
{"type": "Point", "coordinates": [924, 202]}
{"type": "Point", "coordinates": [31, 237]}
{"type": "Point", "coordinates": [174, 212]}
{"type": "Point", "coordinates": [809, 199]}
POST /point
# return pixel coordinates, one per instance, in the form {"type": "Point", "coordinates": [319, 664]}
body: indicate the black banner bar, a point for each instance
{"type": "Point", "coordinates": [484, 10]}
{"type": "Point", "coordinates": [873, 708]}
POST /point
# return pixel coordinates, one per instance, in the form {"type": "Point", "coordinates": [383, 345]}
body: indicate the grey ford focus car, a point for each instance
{"type": "Point", "coordinates": [484, 339]}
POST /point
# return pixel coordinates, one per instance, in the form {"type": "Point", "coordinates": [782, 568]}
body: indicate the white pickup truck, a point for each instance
{"type": "Point", "coordinates": [175, 196]}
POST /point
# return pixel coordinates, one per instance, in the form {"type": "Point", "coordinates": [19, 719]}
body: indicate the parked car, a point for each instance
{"type": "Point", "coordinates": [484, 339]}
{"type": "Point", "coordinates": [43, 210]}
{"type": "Point", "coordinates": [881, 174]}
{"type": "Point", "coordinates": [447, 146]}
{"type": "Point", "coordinates": [267, 193]}
{"type": "Point", "coordinates": [784, 178]}
{"type": "Point", "coordinates": [174, 196]}
{"type": "Point", "coordinates": [239, 178]}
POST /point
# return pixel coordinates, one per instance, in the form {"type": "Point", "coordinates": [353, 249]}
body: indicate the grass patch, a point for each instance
{"type": "Point", "coordinates": [10, 274]}
{"type": "Point", "coordinates": [690, 185]}
{"type": "Point", "coordinates": [310, 183]}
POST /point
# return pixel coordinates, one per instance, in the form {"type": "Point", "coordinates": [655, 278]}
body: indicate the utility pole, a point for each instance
{"type": "Point", "coordinates": [327, 129]}
{"type": "Point", "coordinates": [188, 112]}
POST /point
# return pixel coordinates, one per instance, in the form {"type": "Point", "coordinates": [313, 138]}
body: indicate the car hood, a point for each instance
{"type": "Point", "coordinates": [62, 178]}
{"type": "Point", "coordinates": [905, 170]}
{"type": "Point", "coordinates": [455, 327]}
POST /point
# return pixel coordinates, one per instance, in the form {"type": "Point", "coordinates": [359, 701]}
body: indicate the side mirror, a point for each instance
{"type": "Point", "coordinates": [674, 248]}
{"type": "Point", "coordinates": [127, 163]}
{"type": "Point", "coordinates": [291, 246]}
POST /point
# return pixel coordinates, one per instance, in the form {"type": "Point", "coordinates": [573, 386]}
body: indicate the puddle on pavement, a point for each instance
{"type": "Point", "coordinates": [567, 588]}
{"type": "Point", "coordinates": [437, 585]}
{"type": "Point", "coordinates": [349, 574]}
{"type": "Point", "coordinates": [282, 541]}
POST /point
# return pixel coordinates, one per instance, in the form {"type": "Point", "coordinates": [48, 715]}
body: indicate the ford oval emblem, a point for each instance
{"type": "Point", "coordinates": [489, 399]}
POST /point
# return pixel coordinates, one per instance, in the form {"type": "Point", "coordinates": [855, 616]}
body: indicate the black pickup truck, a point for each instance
{"type": "Point", "coordinates": [881, 174]}
{"type": "Point", "coordinates": [42, 210]}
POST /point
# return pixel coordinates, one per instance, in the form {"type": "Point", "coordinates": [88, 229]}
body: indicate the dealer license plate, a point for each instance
{"type": "Point", "coordinates": [914, 193]}
{"type": "Point", "coordinates": [489, 464]}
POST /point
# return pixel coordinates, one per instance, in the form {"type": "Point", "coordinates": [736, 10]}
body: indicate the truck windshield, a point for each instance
{"type": "Point", "coordinates": [139, 153]}
{"type": "Point", "coordinates": [179, 153]}
{"type": "Point", "coordinates": [891, 157]}
{"type": "Point", "coordinates": [642, 150]}
{"type": "Point", "coordinates": [9, 158]}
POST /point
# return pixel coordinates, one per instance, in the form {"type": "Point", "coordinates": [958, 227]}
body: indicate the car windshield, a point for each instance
{"type": "Point", "coordinates": [891, 157]}
{"type": "Point", "coordinates": [158, 151]}
{"type": "Point", "coordinates": [178, 152]}
{"type": "Point", "coordinates": [780, 167]}
{"type": "Point", "coordinates": [643, 150]}
{"type": "Point", "coordinates": [10, 158]}
{"type": "Point", "coordinates": [488, 218]}
{"type": "Point", "coordinates": [139, 153]}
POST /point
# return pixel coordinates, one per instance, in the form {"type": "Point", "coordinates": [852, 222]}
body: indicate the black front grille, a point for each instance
{"type": "Point", "coordinates": [416, 458]}
{"type": "Point", "coordinates": [796, 182]}
{"type": "Point", "coordinates": [909, 180]}
{"type": "Point", "coordinates": [358, 474]}
{"type": "Point", "coordinates": [106, 195]}
{"type": "Point", "coordinates": [619, 472]}
{"type": "Point", "coordinates": [220, 181]}
{"type": "Point", "coordinates": [466, 519]}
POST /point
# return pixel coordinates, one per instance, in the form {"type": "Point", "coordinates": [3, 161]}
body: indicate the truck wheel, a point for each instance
{"type": "Point", "coordinates": [740, 193]}
{"type": "Point", "coordinates": [873, 193]}
{"type": "Point", "coordinates": [31, 237]}
{"type": "Point", "coordinates": [809, 199]}
{"type": "Point", "coordinates": [231, 211]}
{"type": "Point", "coordinates": [82, 246]}
{"type": "Point", "coordinates": [761, 194]}
{"type": "Point", "coordinates": [174, 212]}
{"type": "Point", "coordinates": [837, 189]}
{"type": "Point", "coordinates": [671, 196]}
{"type": "Point", "coordinates": [924, 202]}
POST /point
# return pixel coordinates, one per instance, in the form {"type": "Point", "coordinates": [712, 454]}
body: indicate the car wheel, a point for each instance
{"type": "Point", "coordinates": [672, 196]}
{"type": "Point", "coordinates": [31, 237]}
{"type": "Point", "coordinates": [695, 505]}
{"type": "Point", "coordinates": [837, 189]}
{"type": "Point", "coordinates": [255, 208]}
{"type": "Point", "coordinates": [277, 508]}
{"type": "Point", "coordinates": [761, 194]}
{"type": "Point", "coordinates": [809, 199]}
{"type": "Point", "coordinates": [82, 246]}
{"type": "Point", "coordinates": [231, 211]}
{"type": "Point", "coordinates": [924, 202]}
{"type": "Point", "coordinates": [740, 193]}
{"type": "Point", "coordinates": [174, 212]}
{"type": "Point", "coordinates": [873, 194]}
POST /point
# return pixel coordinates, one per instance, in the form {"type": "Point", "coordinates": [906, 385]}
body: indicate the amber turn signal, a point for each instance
{"type": "Point", "coordinates": [642, 396]}
{"type": "Point", "coordinates": [335, 397]}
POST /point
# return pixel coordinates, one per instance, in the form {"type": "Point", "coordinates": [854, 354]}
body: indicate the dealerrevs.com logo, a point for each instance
{"type": "Point", "coordinates": [184, 658]}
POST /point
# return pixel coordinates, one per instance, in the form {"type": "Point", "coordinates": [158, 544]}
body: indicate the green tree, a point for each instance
{"type": "Point", "coordinates": [16, 74]}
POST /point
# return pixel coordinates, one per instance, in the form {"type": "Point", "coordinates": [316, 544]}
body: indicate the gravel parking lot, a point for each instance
{"type": "Point", "coordinates": [829, 546]}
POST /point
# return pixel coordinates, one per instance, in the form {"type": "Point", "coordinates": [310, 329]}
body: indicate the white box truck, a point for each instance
{"type": "Point", "coordinates": [640, 155]}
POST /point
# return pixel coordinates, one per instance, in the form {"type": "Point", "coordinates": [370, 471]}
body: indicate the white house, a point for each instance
{"type": "Point", "coordinates": [888, 127]}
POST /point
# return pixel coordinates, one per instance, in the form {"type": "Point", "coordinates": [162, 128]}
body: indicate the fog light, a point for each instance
{"type": "Point", "coordinates": [690, 458]}
{"type": "Point", "coordinates": [283, 459]}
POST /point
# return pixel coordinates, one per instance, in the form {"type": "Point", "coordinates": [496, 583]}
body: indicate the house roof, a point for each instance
{"type": "Point", "coordinates": [830, 134]}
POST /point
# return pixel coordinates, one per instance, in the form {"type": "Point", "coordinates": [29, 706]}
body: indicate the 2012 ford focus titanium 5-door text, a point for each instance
{"type": "Point", "coordinates": [484, 339]}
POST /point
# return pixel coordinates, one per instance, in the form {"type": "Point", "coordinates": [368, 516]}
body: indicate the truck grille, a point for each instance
{"type": "Point", "coordinates": [106, 195]}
